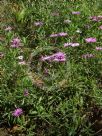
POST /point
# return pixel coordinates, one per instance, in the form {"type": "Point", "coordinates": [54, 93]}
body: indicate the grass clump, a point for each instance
{"type": "Point", "coordinates": [51, 61]}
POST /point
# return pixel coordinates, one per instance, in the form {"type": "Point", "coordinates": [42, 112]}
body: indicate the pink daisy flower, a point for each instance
{"type": "Point", "coordinates": [54, 35]}
{"type": "Point", "coordinates": [17, 112]}
{"type": "Point", "coordinates": [22, 63]}
{"type": "Point", "coordinates": [46, 71]}
{"type": "Point", "coordinates": [49, 58]}
{"type": "Point", "coordinates": [90, 40]}
{"type": "Point", "coordinates": [15, 43]}
{"type": "Point", "coordinates": [76, 13]}
{"type": "Point", "coordinates": [100, 27]}
{"type": "Point", "coordinates": [38, 23]}
{"type": "Point", "coordinates": [87, 56]}
{"type": "Point", "coordinates": [61, 34]}
{"type": "Point", "coordinates": [96, 18]}
{"type": "Point", "coordinates": [98, 48]}
{"type": "Point", "coordinates": [57, 57]}
{"type": "Point", "coordinates": [26, 93]}
{"type": "Point", "coordinates": [71, 44]}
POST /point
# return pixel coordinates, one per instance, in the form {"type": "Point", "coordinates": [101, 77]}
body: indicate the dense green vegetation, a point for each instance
{"type": "Point", "coordinates": [51, 67]}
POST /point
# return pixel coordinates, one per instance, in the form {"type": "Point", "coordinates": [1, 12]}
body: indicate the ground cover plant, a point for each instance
{"type": "Point", "coordinates": [51, 67]}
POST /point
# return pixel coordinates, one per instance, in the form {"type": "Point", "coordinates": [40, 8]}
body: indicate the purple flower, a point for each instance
{"type": "Point", "coordinates": [90, 40]}
{"type": "Point", "coordinates": [22, 63]}
{"type": "Point", "coordinates": [38, 23]}
{"type": "Point", "coordinates": [46, 71]}
{"type": "Point", "coordinates": [49, 58]}
{"type": "Point", "coordinates": [98, 48]}
{"type": "Point", "coordinates": [17, 112]}
{"type": "Point", "coordinates": [8, 28]}
{"type": "Point", "coordinates": [76, 13]}
{"type": "Point", "coordinates": [61, 34]}
{"type": "Point", "coordinates": [58, 57]}
{"type": "Point", "coordinates": [67, 44]}
{"type": "Point", "coordinates": [87, 56]}
{"type": "Point", "coordinates": [15, 43]}
{"type": "Point", "coordinates": [100, 27]}
{"type": "Point", "coordinates": [54, 35]}
{"type": "Point", "coordinates": [96, 18]}
{"type": "Point", "coordinates": [100, 17]}
{"type": "Point", "coordinates": [26, 93]}
{"type": "Point", "coordinates": [71, 44]}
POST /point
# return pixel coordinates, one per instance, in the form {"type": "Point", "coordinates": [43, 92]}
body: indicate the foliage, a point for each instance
{"type": "Point", "coordinates": [63, 98]}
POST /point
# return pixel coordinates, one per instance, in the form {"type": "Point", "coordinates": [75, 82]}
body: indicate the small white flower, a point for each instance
{"type": "Point", "coordinates": [67, 21]}
{"type": "Point", "coordinates": [78, 31]}
{"type": "Point", "coordinates": [75, 44]}
{"type": "Point", "coordinates": [20, 57]}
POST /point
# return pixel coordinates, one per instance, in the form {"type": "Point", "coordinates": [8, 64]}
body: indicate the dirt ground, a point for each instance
{"type": "Point", "coordinates": [4, 132]}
